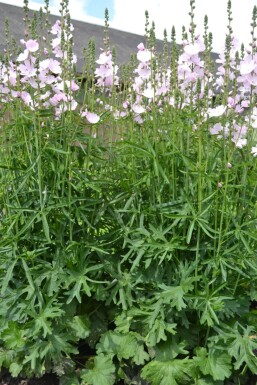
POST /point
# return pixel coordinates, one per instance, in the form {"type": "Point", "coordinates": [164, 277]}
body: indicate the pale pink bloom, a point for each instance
{"type": "Point", "coordinates": [73, 105]}
{"type": "Point", "coordinates": [162, 90]}
{"type": "Point", "coordinates": [219, 82]}
{"type": "Point", "coordinates": [144, 71]}
{"type": "Point", "coordinates": [240, 130]}
{"type": "Point", "coordinates": [72, 85]}
{"type": "Point", "coordinates": [149, 93]}
{"type": "Point", "coordinates": [245, 103]}
{"type": "Point", "coordinates": [50, 79]}
{"type": "Point", "coordinates": [74, 58]}
{"type": "Point", "coordinates": [56, 42]}
{"type": "Point", "coordinates": [231, 102]}
{"type": "Point", "coordinates": [217, 111]}
{"type": "Point", "coordinates": [92, 117]}
{"type": "Point", "coordinates": [27, 69]}
{"type": "Point", "coordinates": [247, 65]}
{"type": "Point", "coordinates": [254, 151]}
{"type": "Point", "coordinates": [15, 94]}
{"type": "Point", "coordinates": [23, 55]}
{"type": "Point", "coordinates": [138, 119]}
{"type": "Point", "coordinates": [229, 165]}
{"type": "Point", "coordinates": [57, 98]}
{"type": "Point", "coordinates": [144, 56]}
{"type": "Point", "coordinates": [252, 79]}
{"type": "Point", "coordinates": [32, 45]}
{"type": "Point", "coordinates": [240, 143]}
{"type": "Point", "coordinates": [54, 66]}
{"type": "Point", "coordinates": [119, 114]}
{"type": "Point", "coordinates": [56, 28]}
{"type": "Point", "coordinates": [25, 96]}
{"type": "Point", "coordinates": [216, 129]}
{"type": "Point", "coordinates": [138, 109]}
{"type": "Point", "coordinates": [45, 95]}
{"type": "Point", "coordinates": [43, 65]}
{"type": "Point", "coordinates": [141, 47]}
{"type": "Point", "coordinates": [220, 185]}
{"type": "Point", "coordinates": [104, 58]}
{"type": "Point", "coordinates": [192, 49]}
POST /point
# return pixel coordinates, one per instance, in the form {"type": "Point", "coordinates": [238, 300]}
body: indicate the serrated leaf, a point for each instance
{"type": "Point", "coordinates": [14, 336]}
{"type": "Point", "coordinates": [15, 369]}
{"type": "Point", "coordinates": [215, 363]}
{"type": "Point", "coordinates": [81, 326]}
{"type": "Point", "coordinates": [170, 349]}
{"type": "Point", "coordinates": [102, 373]}
{"type": "Point", "coordinates": [121, 345]}
{"type": "Point", "coordinates": [7, 277]}
{"type": "Point", "coordinates": [174, 372]}
{"type": "Point", "coordinates": [158, 332]}
{"type": "Point", "coordinates": [242, 347]}
{"type": "Point", "coordinates": [173, 295]}
{"type": "Point", "coordinates": [140, 355]}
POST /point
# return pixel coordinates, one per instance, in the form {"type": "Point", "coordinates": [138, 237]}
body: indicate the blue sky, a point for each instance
{"type": "Point", "coordinates": [129, 15]}
{"type": "Point", "coordinates": [94, 8]}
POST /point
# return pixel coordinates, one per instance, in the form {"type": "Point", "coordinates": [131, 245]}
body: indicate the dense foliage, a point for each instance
{"type": "Point", "coordinates": [128, 212]}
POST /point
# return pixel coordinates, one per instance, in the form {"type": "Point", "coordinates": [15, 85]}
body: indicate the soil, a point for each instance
{"type": "Point", "coordinates": [47, 379]}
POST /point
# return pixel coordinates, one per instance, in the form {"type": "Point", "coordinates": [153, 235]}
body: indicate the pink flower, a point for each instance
{"type": "Point", "coordinates": [216, 129]}
{"type": "Point", "coordinates": [25, 96]}
{"type": "Point", "coordinates": [56, 28]}
{"type": "Point", "coordinates": [32, 45]}
{"type": "Point", "coordinates": [144, 56]}
{"type": "Point", "coordinates": [254, 151]}
{"type": "Point", "coordinates": [247, 65]}
{"type": "Point", "coordinates": [149, 93]}
{"type": "Point", "coordinates": [92, 117]}
{"type": "Point", "coordinates": [23, 56]}
{"type": "Point", "coordinates": [141, 47]}
{"type": "Point", "coordinates": [104, 58]}
{"type": "Point", "coordinates": [138, 109]}
{"type": "Point", "coordinates": [240, 143]}
{"type": "Point", "coordinates": [217, 111]}
{"type": "Point", "coordinates": [72, 85]}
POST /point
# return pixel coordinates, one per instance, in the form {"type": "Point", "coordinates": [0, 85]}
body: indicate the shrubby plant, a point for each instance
{"type": "Point", "coordinates": [128, 209]}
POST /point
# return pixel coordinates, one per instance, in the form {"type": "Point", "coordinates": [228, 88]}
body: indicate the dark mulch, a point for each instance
{"type": "Point", "coordinates": [47, 379]}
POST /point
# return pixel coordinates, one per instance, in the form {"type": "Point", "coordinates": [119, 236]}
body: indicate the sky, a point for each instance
{"type": "Point", "coordinates": [129, 15]}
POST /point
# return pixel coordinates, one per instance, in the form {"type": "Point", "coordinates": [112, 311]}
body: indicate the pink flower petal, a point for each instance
{"type": "Point", "coordinates": [92, 118]}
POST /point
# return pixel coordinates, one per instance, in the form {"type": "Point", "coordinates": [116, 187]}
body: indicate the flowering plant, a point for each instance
{"type": "Point", "coordinates": [128, 210]}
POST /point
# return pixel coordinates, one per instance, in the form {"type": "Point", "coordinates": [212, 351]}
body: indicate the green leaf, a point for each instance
{"type": "Point", "coordinates": [123, 346]}
{"type": "Point", "coordinates": [174, 372]}
{"type": "Point", "coordinates": [81, 326]}
{"type": "Point", "coordinates": [6, 357]}
{"type": "Point", "coordinates": [140, 355]}
{"type": "Point", "coordinates": [215, 363]}
{"type": "Point", "coordinates": [158, 331]}
{"type": "Point", "coordinates": [173, 295]}
{"type": "Point", "coordinates": [15, 369]}
{"type": "Point", "coordinates": [14, 336]}
{"type": "Point", "coordinates": [7, 277]}
{"type": "Point", "coordinates": [102, 372]}
{"type": "Point", "coordinates": [242, 347]}
{"type": "Point", "coordinates": [170, 349]}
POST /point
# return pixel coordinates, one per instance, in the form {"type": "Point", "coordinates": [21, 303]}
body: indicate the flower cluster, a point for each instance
{"type": "Point", "coordinates": [43, 83]}
{"type": "Point", "coordinates": [38, 82]}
